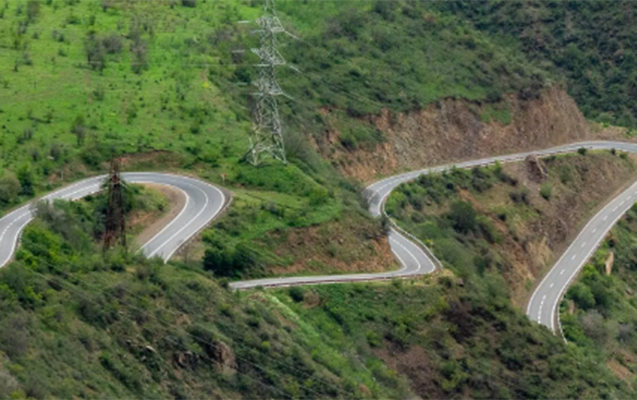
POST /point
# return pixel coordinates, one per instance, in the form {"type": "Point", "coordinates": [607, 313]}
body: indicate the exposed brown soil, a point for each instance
{"type": "Point", "coordinates": [455, 130]}
{"type": "Point", "coordinates": [416, 365]}
{"type": "Point", "coordinates": [348, 245]}
{"type": "Point", "coordinates": [154, 225]}
{"type": "Point", "coordinates": [619, 370]}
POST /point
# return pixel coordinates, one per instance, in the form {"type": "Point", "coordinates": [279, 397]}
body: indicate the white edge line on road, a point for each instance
{"type": "Point", "coordinates": [186, 225]}
{"type": "Point", "coordinates": [171, 222]}
{"type": "Point", "coordinates": [548, 274]}
{"type": "Point", "coordinates": [581, 265]}
{"type": "Point", "coordinates": [194, 232]}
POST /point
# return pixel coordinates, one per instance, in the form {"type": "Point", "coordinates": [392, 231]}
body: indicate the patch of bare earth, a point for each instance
{"type": "Point", "coordinates": [619, 370]}
{"type": "Point", "coordinates": [154, 223]}
{"type": "Point", "coordinates": [348, 245]}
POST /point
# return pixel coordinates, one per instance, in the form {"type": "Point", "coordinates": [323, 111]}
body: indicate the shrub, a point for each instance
{"type": "Point", "coordinates": [546, 190]}
{"type": "Point", "coordinates": [582, 151]}
{"type": "Point", "coordinates": [33, 10]}
{"type": "Point", "coordinates": [463, 217]}
{"type": "Point", "coordinates": [297, 293]}
{"type": "Point", "coordinates": [112, 43]}
{"type": "Point", "coordinates": [520, 196]}
{"type": "Point", "coordinates": [189, 3]}
{"type": "Point", "coordinates": [582, 296]}
{"type": "Point", "coordinates": [9, 188]}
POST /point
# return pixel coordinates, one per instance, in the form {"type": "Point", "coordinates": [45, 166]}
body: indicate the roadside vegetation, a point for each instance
{"type": "Point", "coordinates": [598, 311]}
{"type": "Point", "coordinates": [513, 220]}
{"type": "Point", "coordinates": [76, 322]}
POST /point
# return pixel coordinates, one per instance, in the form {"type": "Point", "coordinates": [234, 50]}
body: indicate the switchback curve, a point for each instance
{"type": "Point", "coordinates": [203, 203]}
{"type": "Point", "coordinates": [417, 260]}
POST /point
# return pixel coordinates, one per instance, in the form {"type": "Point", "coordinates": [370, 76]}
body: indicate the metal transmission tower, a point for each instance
{"type": "Point", "coordinates": [115, 227]}
{"type": "Point", "coordinates": [267, 135]}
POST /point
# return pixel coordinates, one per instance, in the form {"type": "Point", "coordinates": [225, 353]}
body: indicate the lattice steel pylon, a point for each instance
{"type": "Point", "coordinates": [267, 134]}
{"type": "Point", "coordinates": [114, 224]}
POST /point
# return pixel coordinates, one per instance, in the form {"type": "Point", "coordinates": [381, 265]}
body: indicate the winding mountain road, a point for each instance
{"type": "Point", "coordinates": [417, 260]}
{"type": "Point", "coordinates": [204, 202]}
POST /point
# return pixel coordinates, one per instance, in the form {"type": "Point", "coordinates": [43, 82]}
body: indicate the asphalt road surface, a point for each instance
{"type": "Point", "coordinates": [203, 203]}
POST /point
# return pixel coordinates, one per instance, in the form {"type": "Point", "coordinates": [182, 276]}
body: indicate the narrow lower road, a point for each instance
{"type": "Point", "coordinates": [203, 203]}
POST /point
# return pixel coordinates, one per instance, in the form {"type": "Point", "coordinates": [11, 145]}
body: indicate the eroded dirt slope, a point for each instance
{"type": "Point", "coordinates": [455, 130]}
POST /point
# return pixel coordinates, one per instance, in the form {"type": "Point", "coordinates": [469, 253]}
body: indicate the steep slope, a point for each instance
{"type": "Point", "coordinates": [514, 220]}
{"type": "Point", "coordinates": [77, 325]}
{"type": "Point", "coordinates": [588, 44]}
{"type": "Point", "coordinates": [456, 130]}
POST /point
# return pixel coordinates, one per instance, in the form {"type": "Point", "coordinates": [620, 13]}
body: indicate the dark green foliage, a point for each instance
{"type": "Point", "coordinates": [470, 339]}
{"type": "Point", "coordinates": [33, 9]}
{"type": "Point", "coordinates": [10, 188]}
{"type": "Point", "coordinates": [297, 293]}
{"type": "Point", "coordinates": [463, 217]}
{"type": "Point", "coordinates": [226, 261]}
{"type": "Point", "coordinates": [589, 44]}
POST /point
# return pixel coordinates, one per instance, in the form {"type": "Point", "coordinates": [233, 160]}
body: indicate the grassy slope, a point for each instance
{"type": "Point", "coordinates": [185, 98]}
{"type": "Point", "coordinates": [598, 312]}
{"type": "Point", "coordinates": [79, 324]}
{"type": "Point", "coordinates": [62, 116]}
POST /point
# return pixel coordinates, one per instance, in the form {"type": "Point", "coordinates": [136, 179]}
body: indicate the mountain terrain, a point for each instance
{"type": "Point", "coordinates": [378, 87]}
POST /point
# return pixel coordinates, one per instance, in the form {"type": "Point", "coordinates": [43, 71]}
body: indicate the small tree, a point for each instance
{"type": "Point", "coordinates": [546, 190]}
{"type": "Point", "coordinates": [463, 217]}
{"type": "Point", "coordinates": [95, 53]}
{"type": "Point", "coordinates": [9, 188]}
{"type": "Point", "coordinates": [33, 10]}
{"type": "Point", "coordinates": [79, 129]}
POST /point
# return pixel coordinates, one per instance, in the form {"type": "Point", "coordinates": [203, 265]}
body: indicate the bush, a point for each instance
{"type": "Point", "coordinates": [582, 151]}
{"type": "Point", "coordinates": [112, 43]}
{"type": "Point", "coordinates": [463, 217]}
{"type": "Point", "coordinates": [546, 190]}
{"type": "Point", "coordinates": [520, 196]}
{"type": "Point", "coordinates": [189, 3]}
{"type": "Point", "coordinates": [582, 295]}
{"type": "Point", "coordinates": [297, 293]}
{"type": "Point", "coordinates": [33, 10]}
{"type": "Point", "coordinates": [9, 188]}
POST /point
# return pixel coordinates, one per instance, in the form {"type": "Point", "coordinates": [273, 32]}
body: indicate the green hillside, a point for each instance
{"type": "Point", "coordinates": [589, 44]}
{"type": "Point", "coordinates": [75, 324]}
{"type": "Point", "coordinates": [157, 83]}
